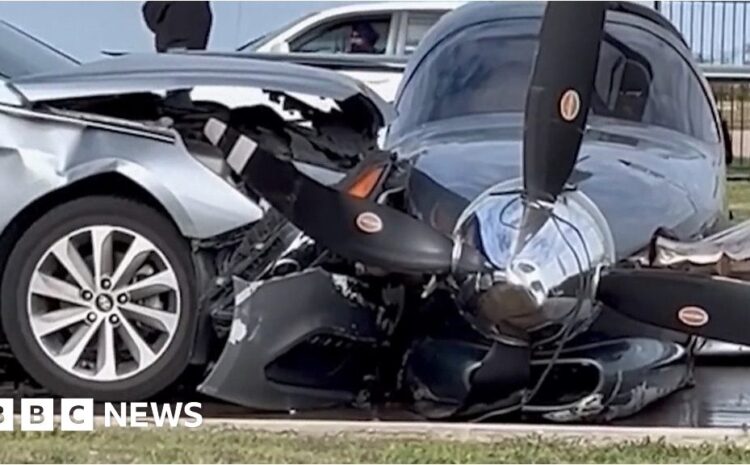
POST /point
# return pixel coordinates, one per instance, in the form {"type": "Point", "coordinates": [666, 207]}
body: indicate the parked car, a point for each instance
{"type": "Point", "coordinates": [118, 218]}
{"type": "Point", "coordinates": [400, 27]}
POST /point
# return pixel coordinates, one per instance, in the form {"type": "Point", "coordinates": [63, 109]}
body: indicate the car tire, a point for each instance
{"type": "Point", "coordinates": [152, 297]}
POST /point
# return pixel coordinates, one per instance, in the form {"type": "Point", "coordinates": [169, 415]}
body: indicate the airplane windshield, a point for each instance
{"type": "Point", "coordinates": [483, 69]}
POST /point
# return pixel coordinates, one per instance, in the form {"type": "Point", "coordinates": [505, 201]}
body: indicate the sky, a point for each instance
{"type": "Point", "coordinates": [84, 29]}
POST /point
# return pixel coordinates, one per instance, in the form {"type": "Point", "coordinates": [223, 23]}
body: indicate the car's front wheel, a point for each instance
{"type": "Point", "coordinates": [97, 300]}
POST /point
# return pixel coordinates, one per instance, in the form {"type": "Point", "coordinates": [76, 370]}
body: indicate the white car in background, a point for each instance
{"type": "Point", "coordinates": [400, 26]}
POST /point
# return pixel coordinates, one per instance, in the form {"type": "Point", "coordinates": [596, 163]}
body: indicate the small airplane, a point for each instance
{"type": "Point", "coordinates": [524, 201]}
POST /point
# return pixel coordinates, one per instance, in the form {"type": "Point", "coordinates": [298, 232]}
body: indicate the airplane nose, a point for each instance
{"type": "Point", "coordinates": [544, 277]}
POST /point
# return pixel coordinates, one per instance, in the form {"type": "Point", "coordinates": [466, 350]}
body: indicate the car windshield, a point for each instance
{"type": "Point", "coordinates": [258, 42]}
{"type": "Point", "coordinates": [22, 54]}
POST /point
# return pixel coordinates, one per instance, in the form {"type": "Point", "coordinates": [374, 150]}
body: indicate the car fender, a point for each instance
{"type": "Point", "coordinates": [196, 218]}
{"type": "Point", "coordinates": [38, 158]}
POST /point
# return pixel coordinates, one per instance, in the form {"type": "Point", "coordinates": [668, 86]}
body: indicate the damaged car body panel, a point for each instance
{"type": "Point", "coordinates": [131, 132]}
{"type": "Point", "coordinates": [279, 358]}
{"type": "Point", "coordinates": [61, 134]}
{"type": "Point", "coordinates": [50, 152]}
{"type": "Point", "coordinates": [136, 73]}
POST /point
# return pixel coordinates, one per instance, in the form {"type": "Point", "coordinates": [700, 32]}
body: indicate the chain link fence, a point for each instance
{"type": "Point", "coordinates": [732, 98]}
{"type": "Point", "coordinates": [717, 32]}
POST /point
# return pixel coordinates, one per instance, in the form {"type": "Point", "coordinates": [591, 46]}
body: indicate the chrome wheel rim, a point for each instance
{"type": "Point", "coordinates": [103, 303]}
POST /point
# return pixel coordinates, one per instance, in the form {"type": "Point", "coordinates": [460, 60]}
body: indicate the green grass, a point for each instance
{"type": "Point", "coordinates": [235, 445]}
{"type": "Point", "coordinates": [738, 169]}
{"type": "Point", "coordinates": [739, 199]}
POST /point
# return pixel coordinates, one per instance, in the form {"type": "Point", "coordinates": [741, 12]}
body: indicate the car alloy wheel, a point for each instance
{"type": "Point", "coordinates": [103, 303]}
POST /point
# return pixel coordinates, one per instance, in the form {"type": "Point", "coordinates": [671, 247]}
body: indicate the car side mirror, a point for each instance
{"type": "Point", "coordinates": [728, 150]}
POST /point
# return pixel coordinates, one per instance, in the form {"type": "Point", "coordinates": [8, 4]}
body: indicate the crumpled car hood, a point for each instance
{"type": "Point", "coordinates": [151, 72]}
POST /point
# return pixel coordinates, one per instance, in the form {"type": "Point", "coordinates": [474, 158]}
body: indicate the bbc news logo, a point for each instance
{"type": "Point", "coordinates": [78, 415]}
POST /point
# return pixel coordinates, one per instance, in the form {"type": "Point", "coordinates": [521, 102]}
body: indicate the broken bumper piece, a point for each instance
{"type": "Point", "coordinates": [304, 342]}
{"type": "Point", "coordinates": [465, 380]}
{"type": "Point", "coordinates": [603, 381]}
{"type": "Point", "coordinates": [295, 343]}
{"type": "Point", "coordinates": [596, 382]}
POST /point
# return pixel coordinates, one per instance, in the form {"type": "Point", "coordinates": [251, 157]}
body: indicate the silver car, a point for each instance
{"type": "Point", "coordinates": [120, 223]}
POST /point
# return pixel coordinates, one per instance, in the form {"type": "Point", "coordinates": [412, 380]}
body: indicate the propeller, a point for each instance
{"type": "Point", "coordinates": [559, 95]}
{"type": "Point", "coordinates": [345, 221]}
{"type": "Point", "coordinates": [557, 105]}
{"type": "Point", "coordinates": [707, 306]}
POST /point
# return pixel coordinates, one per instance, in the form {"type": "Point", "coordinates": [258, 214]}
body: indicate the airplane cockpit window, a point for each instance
{"type": "Point", "coordinates": [623, 82]}
{"type": "Point", "coordinates": [482, 69]}
{"type": "Point", "coordinates": [486, 69]}
{"type": "Point", "coordinates": [642, 78]}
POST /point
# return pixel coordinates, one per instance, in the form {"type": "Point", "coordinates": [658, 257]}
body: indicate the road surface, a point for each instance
{"type": "Point", "coordinates": [720, 398]}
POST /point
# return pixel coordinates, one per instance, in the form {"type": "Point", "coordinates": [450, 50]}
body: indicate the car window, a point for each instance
{"type": "Point", "coordinates": [417, 25]}
{"type": "Point", "coordinates": [23, 54]}
{"type": "Point", "coordinates": [486, 69]}
{"type": "Point", "coordinates": [261, 40]}
{"type": "Point", "coordinates": [340, 37]}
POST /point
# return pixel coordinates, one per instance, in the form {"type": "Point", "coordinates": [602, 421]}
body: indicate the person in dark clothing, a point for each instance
{"type": "Point", "coordinates": [363, 38]}
{"type": "Point", "coordinates": [179, 25]}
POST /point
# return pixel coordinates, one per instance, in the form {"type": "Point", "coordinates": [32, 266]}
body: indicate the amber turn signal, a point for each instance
{"type": "Point", "coordinates": [366, 182]}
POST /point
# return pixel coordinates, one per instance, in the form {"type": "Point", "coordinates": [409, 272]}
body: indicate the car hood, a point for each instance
{"type": "Point", "coordinates": [136, 73]}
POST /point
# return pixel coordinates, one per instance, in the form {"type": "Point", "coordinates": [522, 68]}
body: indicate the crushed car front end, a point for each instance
{"type": "Point", "coordinates": [127, 137]}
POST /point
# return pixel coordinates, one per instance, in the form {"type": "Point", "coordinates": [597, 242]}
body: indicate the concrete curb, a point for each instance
{"type": "Point", "coordinates": [485, 432]}
{"type": "Point", "coordinates": [479, 432]}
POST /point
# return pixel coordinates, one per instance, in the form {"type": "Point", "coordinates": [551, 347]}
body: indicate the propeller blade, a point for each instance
{"type": "Point", "coordinates": [707, 306]}
{"type": "Point", "coordinates": [358, 229]}
{"type": "Point", "coordinates": [559, 95]}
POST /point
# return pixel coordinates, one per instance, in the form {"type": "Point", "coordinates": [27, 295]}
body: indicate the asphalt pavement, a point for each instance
{"type": "Point", "coordinates": [719, 399]}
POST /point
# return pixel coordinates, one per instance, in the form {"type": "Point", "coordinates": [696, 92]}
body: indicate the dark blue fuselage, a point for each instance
{"type": "Point", "coordinates": [652, 157]}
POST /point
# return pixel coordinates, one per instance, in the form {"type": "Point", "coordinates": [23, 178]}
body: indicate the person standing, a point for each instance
{"type": "Point", "coordinates": [178, 25]}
